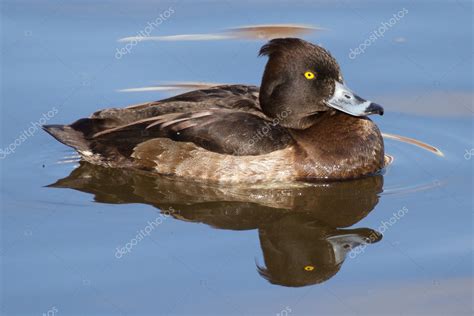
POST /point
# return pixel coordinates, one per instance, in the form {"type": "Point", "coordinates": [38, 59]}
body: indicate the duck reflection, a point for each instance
{"type": "Point", "coordinates": [300, 250]}
{"type": "Point", "coordinates": [304, 230]}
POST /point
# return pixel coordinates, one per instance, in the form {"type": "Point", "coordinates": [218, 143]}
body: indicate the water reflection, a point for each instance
{"type": "Point", "coordinates": [304, 230]}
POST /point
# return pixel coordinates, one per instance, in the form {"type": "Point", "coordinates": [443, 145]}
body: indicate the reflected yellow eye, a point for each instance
{"type": "Point", "coordinates": [309, 75]}
{"type": "Point", "coordinates": [309, 268]}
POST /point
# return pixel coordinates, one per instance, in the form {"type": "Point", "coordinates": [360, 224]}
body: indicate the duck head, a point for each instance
{"type": "Point", "coordinates": [302, 80]}
{"type": "Point", "coordinates": [299, 250]}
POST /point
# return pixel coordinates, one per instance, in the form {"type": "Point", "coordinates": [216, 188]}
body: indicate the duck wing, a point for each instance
{"type": "Point", "coordinates": [223, 119]}
{"type": "Point", "coordinates": [237, 97]}
{"type": "Point", "coordinates": [222, 131]}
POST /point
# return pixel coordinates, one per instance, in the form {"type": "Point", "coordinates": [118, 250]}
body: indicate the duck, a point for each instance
{"type": "Point", "coordinates": [302, 124]}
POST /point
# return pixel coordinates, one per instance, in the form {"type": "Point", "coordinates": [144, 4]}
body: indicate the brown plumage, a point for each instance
{"type": "Point", "coordinates": [303, 124]}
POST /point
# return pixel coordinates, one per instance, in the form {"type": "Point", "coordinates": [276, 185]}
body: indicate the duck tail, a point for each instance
{"type": "Point", "coordinates": [78, 134]}
{"type": "Point", "coordinates": [69, 136]}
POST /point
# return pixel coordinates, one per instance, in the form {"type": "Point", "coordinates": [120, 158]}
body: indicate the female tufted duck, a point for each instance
{"type": "Point", "coordinates": [302, 124]}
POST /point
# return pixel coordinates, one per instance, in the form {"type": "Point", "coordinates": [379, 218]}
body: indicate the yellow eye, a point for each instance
{"type": "Point", "coordinates": [309, 268]}
{"type": "Point", "coordinates": [309, 75]}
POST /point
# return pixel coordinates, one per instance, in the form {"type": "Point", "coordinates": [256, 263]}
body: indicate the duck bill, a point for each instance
{"type": "Point", "coordinates": [347, 239]}
{"type": "Point", "coordinates": [348, 102]}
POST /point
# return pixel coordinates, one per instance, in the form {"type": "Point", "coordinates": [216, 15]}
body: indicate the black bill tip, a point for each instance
{"type": "Point", "coordinates": [374, 108]}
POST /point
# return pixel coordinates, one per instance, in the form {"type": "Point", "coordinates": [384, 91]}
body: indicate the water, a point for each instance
{"type": "Point", "coordinates": [78, 249]}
